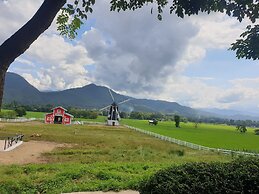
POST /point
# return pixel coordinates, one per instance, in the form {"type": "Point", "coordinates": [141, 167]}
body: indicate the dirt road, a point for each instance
{"type": "Point", "coordinates": [28, 152]}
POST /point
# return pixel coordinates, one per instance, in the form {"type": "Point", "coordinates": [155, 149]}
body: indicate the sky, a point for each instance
{"type": "Point", "coordinates": [181, 60]}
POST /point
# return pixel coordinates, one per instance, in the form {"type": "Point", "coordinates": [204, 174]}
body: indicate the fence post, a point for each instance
{"type": "Point", "coordinates": [10, 140]}
{"type": "Point", "coordinates": [5, 144]}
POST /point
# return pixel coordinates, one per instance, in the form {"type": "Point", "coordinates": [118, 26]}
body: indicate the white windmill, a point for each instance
{"type": "Point", "coordinates": [113, 111]}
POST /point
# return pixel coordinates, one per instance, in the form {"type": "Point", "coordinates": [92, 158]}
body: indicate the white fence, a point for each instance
{"type": "Point", "coordinates": [191, 145]}
{"type": "Point", "coordinates": [87, 122]}
{"type": "Point", "coordinates": [12, 142]}
{"type": "Point", "coordinates": [18, 120]}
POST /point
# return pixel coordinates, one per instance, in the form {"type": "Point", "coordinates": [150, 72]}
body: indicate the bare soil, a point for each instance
{"type": "Point", "coordinates": [28, 152]}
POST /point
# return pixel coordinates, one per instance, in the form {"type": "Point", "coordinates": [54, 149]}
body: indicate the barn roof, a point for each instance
{"type": "Point", "coordinates": [69, 114]}
{"type": "Point", "coordinates": [59, 107]}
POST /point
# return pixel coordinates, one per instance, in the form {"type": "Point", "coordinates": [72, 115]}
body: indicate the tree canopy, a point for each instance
{"type": "Point", "coordinates": [246, 47]}
{"type": "Point", "coordinates": [177, 120]}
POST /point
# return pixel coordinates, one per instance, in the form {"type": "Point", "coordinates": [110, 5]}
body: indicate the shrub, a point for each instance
{"type": "Point", "coordinates": [21, 111]}
{"type": "Point", "coordinates": [177, 120]}
{"type": "Point", "coordinates": [241, 128]}
{"type": "Point", "coordinates": [177, 152]}
{"type": "Point", "coordinates": [239, 176]}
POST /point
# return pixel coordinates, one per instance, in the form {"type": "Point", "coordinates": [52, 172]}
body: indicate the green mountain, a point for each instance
{"type": "Point", "coordinates": [90, 96]}
{"type": "Point", "coordinates": [18, 89]}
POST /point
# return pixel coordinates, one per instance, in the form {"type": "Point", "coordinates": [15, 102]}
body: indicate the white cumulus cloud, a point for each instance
{"type": "Point", "coordinates": [132, 52]}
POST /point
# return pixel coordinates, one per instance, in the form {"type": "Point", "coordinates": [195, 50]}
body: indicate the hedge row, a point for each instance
{"type": "Point", "coordinates": [239, 176]}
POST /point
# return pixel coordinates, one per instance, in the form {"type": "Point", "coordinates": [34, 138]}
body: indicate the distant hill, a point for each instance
{"type": "Point", "coordinates": [18, 89]}
{"type": "Point", "coordinates": [90, 96]}
{"type": "Point", "coordinates": [232, 114]}
{"type": "Point", "coordinates": [95, 97]}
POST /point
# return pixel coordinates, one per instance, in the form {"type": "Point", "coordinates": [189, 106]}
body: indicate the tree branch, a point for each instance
{"type": "Point", "coordinates": [19, 42]}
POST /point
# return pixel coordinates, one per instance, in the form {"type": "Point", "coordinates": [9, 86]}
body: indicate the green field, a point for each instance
{"type": "Point", "coordinates": [97, 158]}
{"type": "Point", "coordinates": [37, 115]}
{"type": "Point", "coordinates": [210, 135]}
{"type": "Point", "coordinates": [101, 119]}
{"type": "Point", "coordinates": [214, 136]}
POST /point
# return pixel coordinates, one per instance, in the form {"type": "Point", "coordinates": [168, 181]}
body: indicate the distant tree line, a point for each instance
{"type": "Point", "coordinates": [146, 116]}
{"type": "Point", "coordinates": [33, 108]}
{"type": "Point", "coordinates": [14, 110]}
{"type": "Point", "coordinates": [196, 120]}
{"type": "Point", "coordinates": [213, 120]}
{"type": "Point", "coordinates": [11, 114]}
{"type": "Point", "coordinates": [83, 113]}
{"type": "Point", "coordinates": [149, 116]}
{"type": "Point", "coordinates": [92, 114]}
{"type": "Point", "coordinates": [20, 110]}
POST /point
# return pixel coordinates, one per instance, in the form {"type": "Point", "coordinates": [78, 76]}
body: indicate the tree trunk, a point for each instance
{"type": "Point", "coordinates": [20, 41]}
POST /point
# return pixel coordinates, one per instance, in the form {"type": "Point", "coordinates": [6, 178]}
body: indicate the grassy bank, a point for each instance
{"type": "Point", "coordinates": [60, 178]}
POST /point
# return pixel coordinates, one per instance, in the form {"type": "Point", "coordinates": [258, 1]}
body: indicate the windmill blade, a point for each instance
{"type": "Point", "coordinates": [124, 101]}
{"type": "Point", "coordinates": [104, 108]}
{"type": "Point", "coordinates": [111, 95]}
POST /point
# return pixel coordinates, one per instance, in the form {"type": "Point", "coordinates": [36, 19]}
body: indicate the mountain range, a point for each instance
{"type": "Point", "coordinates": [96, 97]}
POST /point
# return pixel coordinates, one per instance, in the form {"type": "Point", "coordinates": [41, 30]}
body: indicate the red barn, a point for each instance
{"type": "Point", "coordinates": [58, 116]}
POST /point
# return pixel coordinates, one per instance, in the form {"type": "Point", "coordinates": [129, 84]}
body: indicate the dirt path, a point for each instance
{"type": "Point", "coordinates": [28, 152]}
{"type": "Point", "coordinates": [1, 145]}
{"type": "Point", "coordinates": [99, 192]}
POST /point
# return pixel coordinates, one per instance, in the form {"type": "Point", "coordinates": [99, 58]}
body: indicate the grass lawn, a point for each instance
{"type": "Point", "coordinates": [210, 135]}
{"type": "Point", "coordinates": [30, 114]}
{"type": "Point", "coordinates": [215, 136]}
{"type": "Point", "coordinates": [101, 119]}
{"type": "Point", "coordinates": [97, 158]}
{"type": "Point", "coordinates": [37, 115]}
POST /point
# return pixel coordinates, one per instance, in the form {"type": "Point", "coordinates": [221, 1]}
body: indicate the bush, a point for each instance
{"type": "Point", "coordinates": [239, 176]}
{"type": "Point", "coordinates": [241, 128]}
{"type": "Point", "coordinates": [177, 120]}
{"type": "Point", "coordinates": [87, 114]}
{"type": "Point", "coordinates": [21, 111]}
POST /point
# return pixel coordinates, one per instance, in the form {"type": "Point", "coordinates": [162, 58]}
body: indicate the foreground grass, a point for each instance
{"type": "Point", "coordinates": [96, 158]}
{"type": "Point", "coordinates": [60, 178]}
{"type": "Point", "coordinates": [215, 136]}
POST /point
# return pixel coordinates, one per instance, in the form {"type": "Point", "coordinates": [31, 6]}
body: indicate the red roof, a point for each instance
{"type": "Point", "coordinates": [59, 107]}
{"type": "Point", "coordinates": [69, 114]}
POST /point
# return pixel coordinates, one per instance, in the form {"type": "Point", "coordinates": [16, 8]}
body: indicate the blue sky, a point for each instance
{"type": "Point", "coordinates": [182, 60]}
{"type": "Point", "coordinates": [222, 66]}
